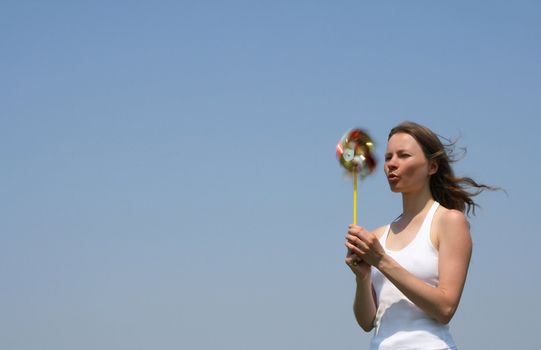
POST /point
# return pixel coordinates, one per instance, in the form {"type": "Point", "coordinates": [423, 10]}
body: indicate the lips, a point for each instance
{"type": "Point", "coordinates": [393, 177]}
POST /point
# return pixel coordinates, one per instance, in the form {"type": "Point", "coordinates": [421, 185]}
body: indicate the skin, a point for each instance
{"type": "Point", "coordinates": [408, 172]}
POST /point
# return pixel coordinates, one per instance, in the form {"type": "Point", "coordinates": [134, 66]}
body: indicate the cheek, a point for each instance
{"type": "Point", "coordinates": [416, 170]}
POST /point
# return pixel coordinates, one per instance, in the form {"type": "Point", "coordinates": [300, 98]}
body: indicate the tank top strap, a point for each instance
{"type": "Point", "coordinates": [427, 222]}
{"type": "Point", "coordinates": [383, 237]}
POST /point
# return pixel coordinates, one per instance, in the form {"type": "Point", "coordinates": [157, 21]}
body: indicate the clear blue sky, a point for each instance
{"type": "Point", "coordinates": [168, 172]}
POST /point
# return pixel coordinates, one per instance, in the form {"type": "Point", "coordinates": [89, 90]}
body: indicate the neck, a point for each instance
{"type": "Point", "coordinates": [414, 203]}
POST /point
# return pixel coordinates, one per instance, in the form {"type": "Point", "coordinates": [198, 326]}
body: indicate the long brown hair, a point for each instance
{"type": "Point", "coordinates": [451, 191]}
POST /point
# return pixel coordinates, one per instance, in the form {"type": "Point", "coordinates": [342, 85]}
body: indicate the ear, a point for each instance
{"type": "Point", "coordinates": [432, 167]}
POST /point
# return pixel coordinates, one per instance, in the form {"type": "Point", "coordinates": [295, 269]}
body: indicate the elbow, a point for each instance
{"type": "Point", "coordinates": [366, 324]}
{"type": "Point", "coordinates": [367, 327]}
{"type": "Point", "coordinates": [445, 315]}
{"type": "Point", "coordinates": [444, 320]}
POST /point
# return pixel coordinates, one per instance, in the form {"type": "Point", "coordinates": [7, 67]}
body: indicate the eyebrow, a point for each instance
{"type": "Point", "coordinates": [398, 151]}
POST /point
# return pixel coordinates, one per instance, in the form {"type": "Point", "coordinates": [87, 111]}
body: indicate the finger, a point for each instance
{"type": "Point", "coordinates": [355, 239]}
{"type": "Point", "coordinates": [365, 236]}
{"type": "Point", "coordinates": [358, 233]}
{"type": "Point", "coordinates": [352, 262]}
{"type": "Point", "coordinates": [371, 241]}
{"type": "Point", "coordinates": [356, 251]}
{"type": "Point", "coordinates": [351, 250]}
{"type": "Point", "coordinates": [355, 233]}
{"type": "Point", "coordinates": [352, 238]}
{"type": "Point", "coordinates": [355, 228]}
{"type": "Point", "coordinates": [360, 248]}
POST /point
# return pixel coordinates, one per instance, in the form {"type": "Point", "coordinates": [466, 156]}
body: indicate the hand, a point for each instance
{"type": "Point", "coordinates": [364, 245]}
{"type": "Point", "coordinates": [360, 268]}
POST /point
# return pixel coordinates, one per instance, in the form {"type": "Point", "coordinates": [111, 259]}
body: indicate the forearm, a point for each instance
{"type": "Point", "coordinates": [364, 305]}
{"type": "Point", "coordinates": [436, 302]}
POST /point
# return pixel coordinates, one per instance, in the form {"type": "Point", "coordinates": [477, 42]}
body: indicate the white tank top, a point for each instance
{"type": "Point", "coordinates": [399, 324]}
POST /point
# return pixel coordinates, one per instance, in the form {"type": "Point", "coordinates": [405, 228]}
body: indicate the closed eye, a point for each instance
{"type": "Point", "coordinates": [389, 156]}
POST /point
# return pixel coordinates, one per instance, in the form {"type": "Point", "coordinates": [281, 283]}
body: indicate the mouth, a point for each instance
{"type": "Point", "coordinates": [393, 177]}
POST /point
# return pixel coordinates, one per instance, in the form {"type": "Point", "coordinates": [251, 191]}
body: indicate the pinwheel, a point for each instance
{"type": "Point", "coordinates": [355, 151]}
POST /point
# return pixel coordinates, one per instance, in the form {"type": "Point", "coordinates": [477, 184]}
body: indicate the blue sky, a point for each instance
{"type": "Point", "coordinates": [169, 178]}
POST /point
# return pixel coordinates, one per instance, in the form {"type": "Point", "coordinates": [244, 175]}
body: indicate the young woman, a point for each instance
{"type": "Point", "coordinates": [410, 274]}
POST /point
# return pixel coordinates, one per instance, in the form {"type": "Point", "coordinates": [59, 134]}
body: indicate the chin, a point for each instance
{"type": "Point", "coordinates": [394, 189]}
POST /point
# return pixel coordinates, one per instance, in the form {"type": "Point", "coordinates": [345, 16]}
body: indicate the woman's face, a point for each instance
{"type": "Point", "coordinates": [406, 166]}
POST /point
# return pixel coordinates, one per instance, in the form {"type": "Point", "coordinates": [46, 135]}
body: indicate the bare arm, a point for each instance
{"type": "Point", "coordinates": [364, 304]}
{"type": "Point", "coordinates": [455, 247]}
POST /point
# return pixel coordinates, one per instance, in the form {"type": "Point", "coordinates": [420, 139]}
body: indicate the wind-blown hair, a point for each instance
{"type": "Point", "coordinates": [450, 191]}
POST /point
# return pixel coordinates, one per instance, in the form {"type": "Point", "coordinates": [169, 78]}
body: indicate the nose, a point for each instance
{"type": "Point", "coordinates": [390, 163]}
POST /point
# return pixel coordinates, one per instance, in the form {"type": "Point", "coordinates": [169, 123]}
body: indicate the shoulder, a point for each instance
{"type": "Point", "coordinates": [451, 226]}
{"type": "Point", "coordinates": [451, 217]}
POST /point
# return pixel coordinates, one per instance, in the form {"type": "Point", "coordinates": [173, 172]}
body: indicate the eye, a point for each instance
{"type": "Point", "coordinates": [404, 155]}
